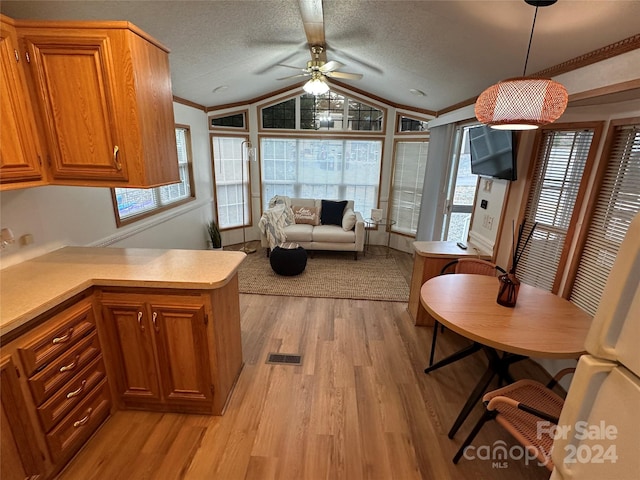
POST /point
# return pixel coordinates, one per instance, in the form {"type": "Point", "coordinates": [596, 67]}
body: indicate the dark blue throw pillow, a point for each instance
{"type": "Point", "coordinates": [331, 212]}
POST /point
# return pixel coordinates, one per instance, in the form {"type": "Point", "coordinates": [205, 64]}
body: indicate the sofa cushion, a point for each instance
{"type": "Point", "coordinates": [298, 232]}
{"type": "Point", "coordinates": [348, 219]}
{"type": "Point", "coordinates": [308, 215]}
{"type": "Point", "coordinates": [332, 212]}
{"type": "Point", "coordinates": [331, 234]}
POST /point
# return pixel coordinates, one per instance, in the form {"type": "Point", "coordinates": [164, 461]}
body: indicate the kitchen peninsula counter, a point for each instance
{"type": "Point", "coordinates": [33, 287]}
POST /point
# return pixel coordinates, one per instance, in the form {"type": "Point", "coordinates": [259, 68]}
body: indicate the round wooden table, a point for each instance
{"type": "Point", "coordinates": [541, 325]}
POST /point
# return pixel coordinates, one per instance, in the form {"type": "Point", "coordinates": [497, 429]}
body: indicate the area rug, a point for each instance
{"type": "Point", "coordinates": [328, 275]}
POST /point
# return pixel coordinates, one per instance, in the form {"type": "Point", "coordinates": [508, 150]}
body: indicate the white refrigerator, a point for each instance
{"type": "Point", "coordinates": [598, 435]}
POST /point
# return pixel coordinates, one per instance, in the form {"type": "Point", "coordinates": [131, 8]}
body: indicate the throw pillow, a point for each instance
{"type": "Point", "coordinates": [331, 212]}
{"type": "Point", "coordinates": [308, 215]}
{"type": "Point", "coordinates": [348, 220]}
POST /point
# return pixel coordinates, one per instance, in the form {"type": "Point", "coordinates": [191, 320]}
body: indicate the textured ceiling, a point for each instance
{"type": "Point", "coordinates": [450, 50]}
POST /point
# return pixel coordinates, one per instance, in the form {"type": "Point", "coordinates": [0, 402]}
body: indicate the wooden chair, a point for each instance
{"type": "Point", "coordinates": [463, 265]}
{"type": "Point", "coordinates": [518, 408]}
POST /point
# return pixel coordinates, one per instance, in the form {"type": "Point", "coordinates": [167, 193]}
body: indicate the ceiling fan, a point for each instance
{"type": "Point", "coordinates": [319, 70]}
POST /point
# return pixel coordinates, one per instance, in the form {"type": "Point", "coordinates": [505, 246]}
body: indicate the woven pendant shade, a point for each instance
{"type": "Point", "coordinates": [521, 103]}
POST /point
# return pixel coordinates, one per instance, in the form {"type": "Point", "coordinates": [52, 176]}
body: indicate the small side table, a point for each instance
{"type": "Point", "coordinates": [371, 223]}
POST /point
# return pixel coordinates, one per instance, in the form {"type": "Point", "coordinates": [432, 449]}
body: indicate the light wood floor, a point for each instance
{"type": "Point", "coordinates": [358, 407]}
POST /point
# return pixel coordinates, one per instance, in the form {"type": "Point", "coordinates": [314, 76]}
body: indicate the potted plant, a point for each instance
{"type": "Point", "coordinates": [214, 235]}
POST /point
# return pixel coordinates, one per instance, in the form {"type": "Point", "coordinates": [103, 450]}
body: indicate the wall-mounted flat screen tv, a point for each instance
{"type": "Point", "coordinates": [493, 152]}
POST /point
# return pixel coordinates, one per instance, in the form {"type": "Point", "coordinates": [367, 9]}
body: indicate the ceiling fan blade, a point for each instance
{"type": "Point", "coordinates": [331, 66]}
{"type": "Point", "coordinates": [291, 66]}
{"type": "Point", "coordinates": [345, 75]}
{"type": "Point", "coordinates": [294, 76]}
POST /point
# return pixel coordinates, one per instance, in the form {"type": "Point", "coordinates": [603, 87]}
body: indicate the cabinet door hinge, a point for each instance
{"type": "Point", "coordinates": [49, 160]}
{"type": "Point", "coordinates": [40, 160]}
{"type": "Point", "coordinates": [17, 55]}
{"type": "Point", "coordinates": [18, 372]}
{"type": "Point", "coordinates": [206, 319]}
{"type": "Point", "coordinates": [213, 389]}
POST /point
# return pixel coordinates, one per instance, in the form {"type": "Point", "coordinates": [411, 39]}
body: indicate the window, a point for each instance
{"type": "Point", "coordinates": [556, 182]}
{"type": "Point", "coordinates": [409, 165]}
{"type": "Point", "coordinates": [131, 204]}
{"type": "Point", "coordinates": [231, 180]}
{"type": "Point", "coordinates": [461, 191]}
{"type": "Point", "coordinates": [330, 111]}
{"type": "Point", "coordinates": [236, 121]}
{"type": "Point", "coordinates": [281, 115]}
{"type": "Point", "coordinates": [617, 204]}
{"type": "Point", "coordinates": [411, 125]}
{"type": "Point", "coordinates": [335, 168]}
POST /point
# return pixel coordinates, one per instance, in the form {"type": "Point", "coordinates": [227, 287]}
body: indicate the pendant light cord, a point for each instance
{"type": "Point", "coordinates": [524, 72]}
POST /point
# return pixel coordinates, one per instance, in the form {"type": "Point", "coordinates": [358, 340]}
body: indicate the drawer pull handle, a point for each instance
{"type": "Point", "coordinates": [71, 366]}
{"type": "Point", "coordinates": [77, 392]}
{"type": "Point", "coordinates": [140, 321]}
{"type": "Point", "coordinates": [65, 338]}
{"type": "Point", "coordinates": [83, 420]}
{"type": "Point", "coordinates": [115, 158]}
{"type": "Point", "coordinates": [155, 323]}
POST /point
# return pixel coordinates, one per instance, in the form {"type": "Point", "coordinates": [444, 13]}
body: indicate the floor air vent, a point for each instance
{"type": "Point", "coordinates": [284, 359]}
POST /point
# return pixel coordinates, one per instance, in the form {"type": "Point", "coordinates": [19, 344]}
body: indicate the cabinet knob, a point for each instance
{"type": "Point", "coordinates": [115, 158]}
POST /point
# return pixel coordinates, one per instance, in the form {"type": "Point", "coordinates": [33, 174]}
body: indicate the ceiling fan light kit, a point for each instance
{"type": "Point", "coordinates": [317, 85]}
{"type": "Point", "coordinates": [319, 70]}
{"type": "Point", "coordinates": [523, 103]}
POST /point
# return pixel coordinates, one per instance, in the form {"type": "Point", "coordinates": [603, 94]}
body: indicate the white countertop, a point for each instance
{"type": "Point", "coordinates": [33, 287]}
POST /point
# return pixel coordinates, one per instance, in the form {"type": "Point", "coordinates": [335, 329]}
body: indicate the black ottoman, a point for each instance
{"type": "Point", "coordinates": [288, 261]}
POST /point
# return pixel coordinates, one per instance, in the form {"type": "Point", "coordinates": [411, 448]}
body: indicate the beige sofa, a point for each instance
{"type": "Point", "coordinates": [324, 237]}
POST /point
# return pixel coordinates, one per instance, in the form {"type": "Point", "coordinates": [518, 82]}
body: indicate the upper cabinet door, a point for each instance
{"type": "Point", "coordinates": [19, 155]}
{"type": "Point", "coordinates": [75, 86]}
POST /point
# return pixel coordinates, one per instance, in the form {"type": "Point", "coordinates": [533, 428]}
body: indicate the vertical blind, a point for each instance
{"type": "Point", "coordinates": [617, 203]}
{"type": "Point", "coordinates": [409, 168]}
{"type": "Point", "coordinates": [559, 166]}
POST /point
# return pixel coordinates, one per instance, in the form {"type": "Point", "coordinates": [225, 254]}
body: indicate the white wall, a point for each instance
{"type": "Point", "coordinates": [486, 221]}
{"type": "Point", "coordinates": [57, 216]}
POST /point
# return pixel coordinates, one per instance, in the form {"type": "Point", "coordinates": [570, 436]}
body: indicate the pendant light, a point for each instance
{"type": "Point", "coordinates": [522, 103]}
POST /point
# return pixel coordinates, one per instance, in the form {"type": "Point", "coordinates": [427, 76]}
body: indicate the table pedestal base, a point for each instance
{"type": "Point", "coordinates": [498, 365]}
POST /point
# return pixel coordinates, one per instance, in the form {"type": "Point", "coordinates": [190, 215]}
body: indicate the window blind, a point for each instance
{"type": "Point", "coordinates": [559, 166]}
{"type": "Point", "coordinates": [229, 160]}
{"type": "Point", "coordinates": [131, 203]}
{"type": "Point", "coordinates": [409, 168]}
{"type": "Point", "coordinates": [322, 168]}
{"type": "Point", "coordinates": [617, 203]}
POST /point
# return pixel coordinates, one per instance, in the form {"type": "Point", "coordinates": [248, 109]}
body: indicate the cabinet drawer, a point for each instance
{"type": "Point", "coordinates": [46, 382]}
{"type": "Point", "coordinates": [71, 433]}
{"type": "Point", "coordinates": [52, 411]}
{"type": "Point", "coordinates": [67, 328]}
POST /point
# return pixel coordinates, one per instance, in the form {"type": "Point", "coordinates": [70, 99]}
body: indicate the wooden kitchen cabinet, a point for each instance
{"type": "Point", "coordinates": [103, 91]}
{"type": "Point", "coordinates": [21, 457]}
{"type": "Point", "coordinates": [54, 377]}
{"type": "Point", "coordinates": [62, 365]}
{"type": "Point", "coordinates": [20, 156]}
{"type": "Point", "coordinates": [159, 351]}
